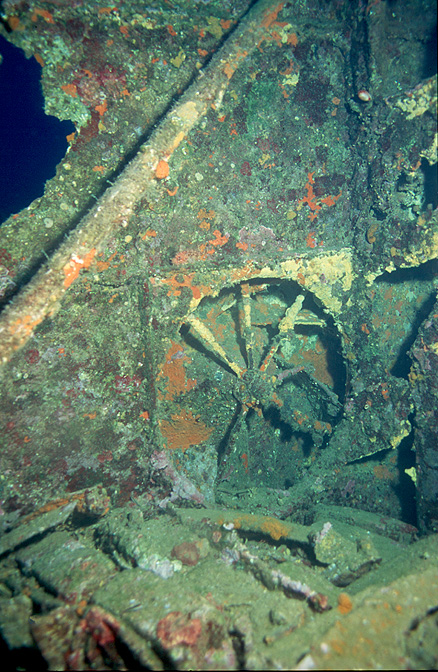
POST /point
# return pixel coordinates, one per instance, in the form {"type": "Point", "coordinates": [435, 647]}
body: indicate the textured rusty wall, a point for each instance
{"type": "Point", "coordinates": [274, 155]}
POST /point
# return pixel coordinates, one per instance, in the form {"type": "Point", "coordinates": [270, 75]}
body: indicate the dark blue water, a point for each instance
{"type": "Point", "coordinates": [31, 142]}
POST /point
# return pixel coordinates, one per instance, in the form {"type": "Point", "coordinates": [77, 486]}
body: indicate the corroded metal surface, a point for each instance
{"type": "Point", "coordinates": [239, 321]}
{"type": "Point", "coordinates": [189, 589]}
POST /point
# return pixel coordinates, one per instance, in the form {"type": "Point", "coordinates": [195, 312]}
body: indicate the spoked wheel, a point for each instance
{"type": "Point", "coordinates": [262, 361]}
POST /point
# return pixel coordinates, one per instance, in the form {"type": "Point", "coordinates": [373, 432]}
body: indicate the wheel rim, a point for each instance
{"type": "Point", "coordinates": [265, 380]}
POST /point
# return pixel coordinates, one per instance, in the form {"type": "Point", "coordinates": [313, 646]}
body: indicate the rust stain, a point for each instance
{"type": "Point", "coordinates": [162, 169]}
{"type": "Point", "coordinates": [72, 268]}
{"type": "Point", "coordinates": [345, 605]}
{"type": "Point", "coordinates": [173, 369]}
{"type": "Point", "coordinates": [184, 430]}
{"type": "Point", "coordinates": [383, 473]}
{"type": "Point", "coordinates": [275, 528]}
{"type": "Point", "coordinates": [25, 326]}
{"type": "Point", "coordinates": [310, 198]}
{"type": "Point", "coordinates": [180, 280]}
{"type": "Point", "coordinates": [70, 89]}
{"type": "Point", "coordinates": [319, 359]}
{"type": "Point", "coordinates": [271, 15]}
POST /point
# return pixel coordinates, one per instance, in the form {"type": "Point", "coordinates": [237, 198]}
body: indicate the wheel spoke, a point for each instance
{"type": "Point", "coordinates": [286, 324]}
{"type": "Point", "coordinates": [208, 337]}
{"type": "Point", "coordinates": [248, 334]}
{"type": "Point", "coordinates": [251, 333]}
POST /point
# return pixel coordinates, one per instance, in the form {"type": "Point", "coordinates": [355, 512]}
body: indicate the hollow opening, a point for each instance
{"type": "Point", "coordinates": [32, 143]}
